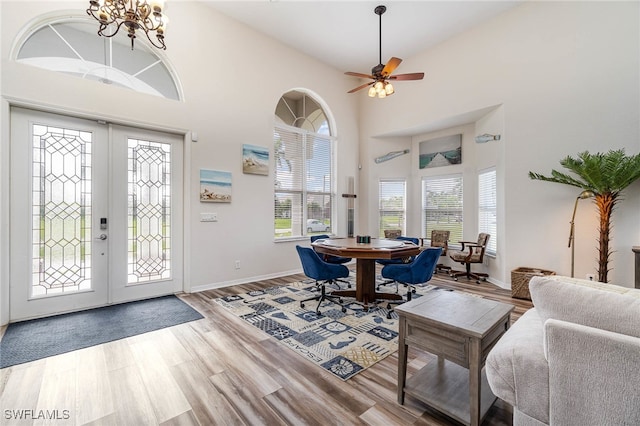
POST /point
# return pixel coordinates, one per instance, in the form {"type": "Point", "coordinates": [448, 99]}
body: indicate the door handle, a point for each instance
{"type": "Point", "coordinates": [102, 237]}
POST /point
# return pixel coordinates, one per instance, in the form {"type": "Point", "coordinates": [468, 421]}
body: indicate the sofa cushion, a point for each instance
{"type": "Point", "coordinates": [517, 370]}
{"type": "Point", "coordinates": [633, 292]}
{"type": "Point", "coordinates": [604, 306]}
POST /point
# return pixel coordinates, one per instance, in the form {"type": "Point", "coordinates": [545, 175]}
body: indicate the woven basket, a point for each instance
{"type": "Point", "coordinates": [520, 278]}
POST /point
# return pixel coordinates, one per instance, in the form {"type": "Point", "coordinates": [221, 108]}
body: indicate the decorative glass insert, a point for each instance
{"type": "Point", "coordinates": [61, 236]}
{"type": "Point", "coordinates": [149, 211]}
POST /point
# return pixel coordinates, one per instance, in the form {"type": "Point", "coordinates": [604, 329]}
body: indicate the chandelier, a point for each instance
{"type": "Point", "coordinates": [134, 14]}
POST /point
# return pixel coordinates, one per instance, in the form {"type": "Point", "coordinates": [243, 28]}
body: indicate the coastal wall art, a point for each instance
{"type": "Point", "coordinates": [215, 186]}
{"type": "Point", "coordinates": [255, 160]}
{"type": "Point", "coordinates": [438, 152]}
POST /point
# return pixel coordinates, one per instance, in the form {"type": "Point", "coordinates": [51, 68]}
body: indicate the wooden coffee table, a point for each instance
{"type": "Point", "coordinates": [461, 330]}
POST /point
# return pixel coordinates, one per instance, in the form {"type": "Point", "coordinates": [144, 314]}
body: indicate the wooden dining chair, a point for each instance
{"type": "Point", "coordinates": [471, 252]}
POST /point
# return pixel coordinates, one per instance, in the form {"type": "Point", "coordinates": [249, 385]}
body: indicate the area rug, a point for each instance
{"type": "Point", "coordinates": [344, 344]}
{"type": "Point", "coordinates": [35, 339]}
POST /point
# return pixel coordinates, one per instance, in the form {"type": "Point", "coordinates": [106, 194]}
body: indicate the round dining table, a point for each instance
{"type": "Point", "coordinates": [366, 255]}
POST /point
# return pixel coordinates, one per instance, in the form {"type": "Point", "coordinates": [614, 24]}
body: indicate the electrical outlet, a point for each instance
{"type": "Point", "coordinates": [237, 264]}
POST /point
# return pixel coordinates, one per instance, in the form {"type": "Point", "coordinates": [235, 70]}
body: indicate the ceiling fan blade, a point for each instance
{"type": "Point", "coordinates": [357, 74]}
{"type": "Point", "coordinates": [391, 66]}
{"type": "Point", "coordinates": [410, 76]}
{"type": "Point", "coordinates": [361, 87]}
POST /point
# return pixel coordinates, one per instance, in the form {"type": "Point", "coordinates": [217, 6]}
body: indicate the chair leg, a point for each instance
{"type": "Point", "coordinates": [478, 276]}
{"type": "Point", "coordinates": [322, 297]}
{"type": "Point", "coordinates": [387, 282]}
{"type": "Point", "coordinates": [344, 281]}
{"type": "Point", "coordinates": [440, 267]}
{"type": "Point", "coordinates": [390, 310]}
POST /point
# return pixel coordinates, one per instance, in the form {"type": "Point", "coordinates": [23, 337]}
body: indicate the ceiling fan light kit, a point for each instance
{"type": "Point", "coordinates": [381, 87]}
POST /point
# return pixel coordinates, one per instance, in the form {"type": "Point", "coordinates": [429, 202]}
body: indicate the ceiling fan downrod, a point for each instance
{"type": "Point", "coordinates": [379, 10]}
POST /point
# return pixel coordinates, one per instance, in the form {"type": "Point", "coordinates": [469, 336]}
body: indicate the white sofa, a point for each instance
{"type": "Point", "coordinates": [573, 359]}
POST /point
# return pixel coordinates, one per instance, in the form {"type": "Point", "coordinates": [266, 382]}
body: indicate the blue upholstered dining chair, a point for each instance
{"type": "Point", "coordinates": [324, 273]}
{"type": "Point", "coordinates": [398, 260]}
{"type": "Point", "coordinates": [417, 272]}
{"type": "Point", "coordinates": [331, 258]}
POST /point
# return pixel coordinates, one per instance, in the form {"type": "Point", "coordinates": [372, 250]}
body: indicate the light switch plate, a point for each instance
{"type": "Point", "coordinates": [208, 217]}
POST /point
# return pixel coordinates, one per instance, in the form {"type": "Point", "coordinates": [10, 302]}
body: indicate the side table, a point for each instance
{"type": "Point", "coordinates": [461, 330]}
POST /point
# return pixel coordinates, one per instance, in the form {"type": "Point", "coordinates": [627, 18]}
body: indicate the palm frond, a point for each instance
{"type": "Point", "coordinates": [601, 172]}
{"type": "Point", "coordinates": [606, 175]}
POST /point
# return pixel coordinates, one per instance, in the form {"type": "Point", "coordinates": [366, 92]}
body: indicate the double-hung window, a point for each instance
{"type": "Point", "coordinates": [303, 181]}
{"type": "Point", "coordinates": [303, 150]}
{"type": "Point", "coordinates": [487, 207]}
{"type": "Point", "coordinates": [442, 206]}
{"type": "Point", "coordinates": [392, 204]}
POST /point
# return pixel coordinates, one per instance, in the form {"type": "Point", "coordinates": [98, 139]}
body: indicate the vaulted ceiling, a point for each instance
{"type": "Point", "coordinates": [344, 34]}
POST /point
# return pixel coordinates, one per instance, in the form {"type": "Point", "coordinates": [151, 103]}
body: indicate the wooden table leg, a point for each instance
{"type": "Point", "coordinates": [366, 281]}
{"type": "Point", "coordinates": [365, 292]}
{"type": "Point", "coordinates": [402, 360]}
{"type": "Point", "coordinates": [475, 377]}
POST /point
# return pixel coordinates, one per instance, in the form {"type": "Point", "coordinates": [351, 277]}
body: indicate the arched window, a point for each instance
{"type": "Point", "coordinates": [71, 45]}
{"type": "Point", "coordinates": [303, 149]}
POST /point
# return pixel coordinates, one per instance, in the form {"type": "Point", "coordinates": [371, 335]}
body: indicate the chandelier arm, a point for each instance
{"type": "Point", "coordinates": [160, 38]}
{"type": "Point", "coordinates": [135, 16]}
{"type": "Point", "coordinates": [105, 26]}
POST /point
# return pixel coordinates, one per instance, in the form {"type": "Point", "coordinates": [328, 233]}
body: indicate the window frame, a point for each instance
{"type": "Point", "coordinates": [305, 191]}
{"type": "Point", "coordinates": [403, 225]}
{"type": "Point", "coordinates": [425, 228]}
{"type": "Point", "coordinates": [491, 206]}
{"type": "Point", "coordinates": [82, 67]}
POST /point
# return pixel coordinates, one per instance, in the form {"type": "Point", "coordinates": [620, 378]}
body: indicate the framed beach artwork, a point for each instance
{"type": "Point", "coordinates": [438, 152]}
{"type": "Point", "coordinates": [255, 160]}
{"type": "Point", "coordinates": [215, 186]}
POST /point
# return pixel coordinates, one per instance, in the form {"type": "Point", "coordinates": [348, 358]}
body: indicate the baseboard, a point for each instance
{"type": "Point", "coordinates": [499, 283]}
{"type": "Point", "coordinates": [245, 280]}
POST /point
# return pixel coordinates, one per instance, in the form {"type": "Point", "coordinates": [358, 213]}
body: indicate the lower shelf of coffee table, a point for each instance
{"type": "Point", "coordinates": [444, 386]}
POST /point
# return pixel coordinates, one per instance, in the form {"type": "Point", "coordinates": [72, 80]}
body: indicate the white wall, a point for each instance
{"type": "Point", "coordinates": [567, 77]}
{"type": "Point", "coordinates": [232, 79]}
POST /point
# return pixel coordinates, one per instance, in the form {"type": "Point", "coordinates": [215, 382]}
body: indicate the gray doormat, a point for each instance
{"type": "Point", "coordinates": [39, 338]}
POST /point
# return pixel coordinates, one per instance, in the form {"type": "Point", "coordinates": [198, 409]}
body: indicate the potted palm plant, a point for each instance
{"type": "Point", "coordinates": [606, 175]}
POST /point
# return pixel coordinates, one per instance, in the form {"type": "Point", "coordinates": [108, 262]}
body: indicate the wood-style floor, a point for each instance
{"type": "Point", "coordinates": [218, 371]}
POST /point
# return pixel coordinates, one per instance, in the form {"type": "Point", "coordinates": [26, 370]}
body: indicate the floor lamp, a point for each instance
{"type": "Point", "coordinates": [584, 194]}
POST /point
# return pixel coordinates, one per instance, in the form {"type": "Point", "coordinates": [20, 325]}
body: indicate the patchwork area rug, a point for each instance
{"type": "Point", "coordinates": [35, 339]}
{"type": "Point", "coordinates": [341, 343]}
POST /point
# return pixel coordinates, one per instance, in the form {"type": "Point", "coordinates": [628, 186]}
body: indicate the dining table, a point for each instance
{"type": "Point", "coordinates": [366, 254]}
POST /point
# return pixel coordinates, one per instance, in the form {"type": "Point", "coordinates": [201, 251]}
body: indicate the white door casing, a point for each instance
{"type": "Point", "coordinates": [56, 240]}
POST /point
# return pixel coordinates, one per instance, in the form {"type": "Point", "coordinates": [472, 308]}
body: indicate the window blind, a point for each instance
{"type": "Point", "coordinates": [442, 205]}
{"type": "Point", "coordinates": [391, 204]}
{"type": "Point", "coordinates": [303, 181]}
{"type": "Point", "coordinates": [487, 207]}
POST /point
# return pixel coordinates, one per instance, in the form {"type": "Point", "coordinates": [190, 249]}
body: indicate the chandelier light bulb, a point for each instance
{"type": "Point", "coordinates": [157, 6]}
{"type": "Point", "coordinates": [372, 92]}
{"type": "Point", "coordinates": [388, 88]}
{"type": "Point", "coordinates": [382, 94]}
{"type": "Point", "coordinates": [378, 86]}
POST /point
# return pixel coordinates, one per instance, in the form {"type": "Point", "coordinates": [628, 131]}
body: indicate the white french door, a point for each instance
{"type": "Point", "coordinates": [96, 213]}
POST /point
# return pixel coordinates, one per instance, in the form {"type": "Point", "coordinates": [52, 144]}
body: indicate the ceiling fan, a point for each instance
{"type": "Point", "coordinates": [381, 74]}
